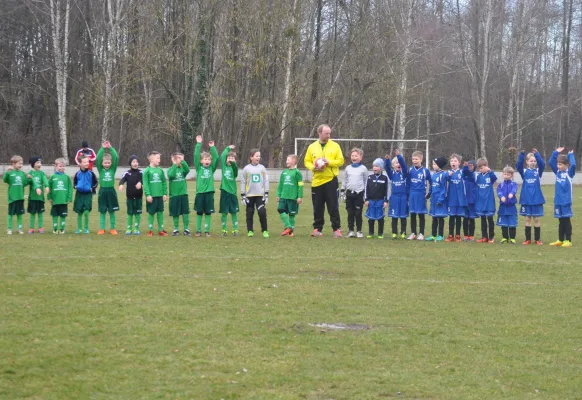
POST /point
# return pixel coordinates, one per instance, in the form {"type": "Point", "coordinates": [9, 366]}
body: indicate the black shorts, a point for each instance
{"type": "Point", "coordinates": [156, 206]}
{"type": "Point", "coordinates": [107, 200]}
{"type": "Point", "coordinates": [204, 203]}
{"type": "Point", "coordinates": [35, 206]}
{"type": "Point", "coordinates": [83, 202]}
{"type": "Point", "coordinates": [60, 210]}
{"type": "Point", "coordinates": [228, 203]}
{"type": "Point", "coordinates": [179, 205]}
{"type": "Point", "coordinates": [134, 206]}
{"type": "Point", "coordinates": [16, 207]}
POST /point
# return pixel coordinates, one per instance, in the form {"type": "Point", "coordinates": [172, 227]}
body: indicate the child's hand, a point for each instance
{"type": "Point", "coordinates": [46, 190]}
{"type": "Point", "coordinates": [198, 139]}
{"type": "Point", "coordinates": [231, 146]}
{"type": "Point", "coordinates": [150, 199]}
{"type": "Point", "coordinates": [299, 200]}
{"type": "Point", "coordinates": [38, 191]}
{"type": "Point", "coordinates": [106, 144]}
{"type": "Point", "coordinates": [560, 149]}
{"type": "Point", "coordinates": [9, 169]}
{"type": "Point", "coordinates": [534, 150]}
{"type": "Point", "coordinates": [385, 204]}
{"type": "Point", "coordinates": [164, 197]}
{"type": "Point", "coordinates": [211, 143]}
{"type": "Point", "coordinates": [366, 203]}
{"type": "Point", "coordinates": [571, 152]}
{"type": "Point", "coordinates": [450, 173]}
{"type": "Point", "coordinates": [503, 199]}
{"type": "Point", "coordinates": [121, 188]}
{"type": "Point", "coordinates": [396, 152]}
{"type": "Point", "coordinates": [427, 196]}
{"type": "Point", "coordinates": [466, 164]}
{"type": "Point", "coordinates": [510, 196]}
{"type": "Point", "coordinates": [277, 199]}
{"type": "Point", "coordinates": [29, 176]}
{"type": "Point", "coordinates": [138, 186]}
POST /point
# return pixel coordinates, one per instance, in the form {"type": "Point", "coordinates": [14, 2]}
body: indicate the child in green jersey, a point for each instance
{"type": "Point", "coordinates": [228, 199]}
{"type": "Point", "coordinates": [60, 194]}
{"type": "Point", "coordinates": [107, 199]}
{"type": "Point", "coordinates": [36, 201]}
{"type": "Point", "coordinates": [179, 193]}
{"type": "Point", "coordinates": [289, 194]}
{"type": "Point", "coordinates": [205, 164]}
{"type": "Point", "coordinates": [16, 180]}
{"type": "Point", "coordinates": [155, 189]}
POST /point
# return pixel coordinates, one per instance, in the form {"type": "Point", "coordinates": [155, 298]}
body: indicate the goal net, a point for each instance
{"type": "Point", "coordinates": [374, 148]}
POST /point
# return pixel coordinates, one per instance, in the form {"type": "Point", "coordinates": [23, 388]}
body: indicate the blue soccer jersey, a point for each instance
{"type": "Point", "coordinates": [485, 200]}
{"type": "Point", "coordinates": [563, 192]}
{"type": "Point", "coordinates": [531, 190]}
{"type": "Point", "coordinates": [456, 194]}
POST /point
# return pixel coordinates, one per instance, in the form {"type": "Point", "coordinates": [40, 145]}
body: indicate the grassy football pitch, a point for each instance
{"type": "Point", "coordinates": [245, 318]}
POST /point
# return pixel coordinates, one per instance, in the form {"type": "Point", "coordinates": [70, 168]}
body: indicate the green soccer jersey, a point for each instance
{"type": "Point", "coordinates": [39, 180]}
{"type": "Point", "coordinates": [177, 177]}
{"type": "Point", "coordinates": [16, 181]}
{"type": "Point", "coordinates": [205, 175]}
{"type": "Point", "coordinates": [290, 185]}
{"type": "Point", "coordinates": [154, 182]}
{"type": "Point", "coordinates": [60, 189]}
{"type": "Point", "coordinates": [229, 173]}
{"type": "Point", "coordinates": [107, 176]}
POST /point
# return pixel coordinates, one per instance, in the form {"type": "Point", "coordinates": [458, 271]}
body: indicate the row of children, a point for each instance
{"type": "Point", "coordinates": [151, 182]}
{"type": "Point", "coordinates": [463, 193]}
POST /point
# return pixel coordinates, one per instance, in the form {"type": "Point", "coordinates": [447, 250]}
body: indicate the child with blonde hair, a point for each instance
{"type": "Point", "coordinates": [531, 197]}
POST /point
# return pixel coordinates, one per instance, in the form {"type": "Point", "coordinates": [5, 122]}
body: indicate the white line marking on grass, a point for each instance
{"type": "Point", "coordinates": [289, 277]}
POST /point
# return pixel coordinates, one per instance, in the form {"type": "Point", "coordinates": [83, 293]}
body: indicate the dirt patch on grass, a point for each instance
{"type": "Point", "coordinates": [340, 326]}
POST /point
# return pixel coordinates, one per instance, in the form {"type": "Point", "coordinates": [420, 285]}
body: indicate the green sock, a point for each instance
{"type": "Point", "coordinates": [19, 221]}
{"type": "Point", "coordinates": [40, 220]}
{"type": "Point", "coordinates": [137, 221]}
{"type": "Point", "coordinates": [292, 221]}
{"type": "Point", "coordinates": [32, 221]}
{"type": "Point", "coordinates": [129, 221]}
{"type": "Point", "coordinates": [102, 219]}
{"type": "Point", "coordinates": [55, 223]}
{"type": "Point", "coordinates": [198, 223]}
{"type": "Point", "coordinates": [150, 222]}
{"type": "Point", "coordinates": [10, 222]}
{"type": "Point", "coordinates": [285, 219]}
{"type": "Point", "coordinates": [234, 221]}
{"type": "Point", "coordinates": [186, 219]}
{"type": "Point", "coordinates": [63, 223]}
{"type": "Point", "coordinates": [223, 218]}
{"type": "Point", "coordinates": [160, 221]}
{"type": "Point", "coordinates": [79, 222]}
{"type": "Point", "coordinates": [207, 222]}
{"type": "Point", "coordinates": [112, 219]}
{"type": "Point", "coordinates": [176, 221]}
{"type": "Point", "coordinates": [86, 218]}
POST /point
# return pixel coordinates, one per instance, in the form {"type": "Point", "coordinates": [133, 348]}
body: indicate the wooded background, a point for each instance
{"type": "Point", "coordinates": [478, 77]}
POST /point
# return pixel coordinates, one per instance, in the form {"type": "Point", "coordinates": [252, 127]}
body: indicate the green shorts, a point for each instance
{"type": "Point", "coordinates": [179, 205]}
{"type": "Point", "coordinates": [107, 200]}
{"type": "Point", "coordinates": [83, 202]}
{"type": "Point", "coordinates": [156, 206]}
{"type": "Point", "coordinates": [134, 206]}
{"type": "Point", "coordinates": [60, 210]}
{"type": "Point", "coordinates": [228, 203]}
{"type": "Point", "coordinates": [16, 207]}
{"type": "Point", "coordinates": [35, 206]}
{"type": "Point", "coordinates": [288, 206]}
{"type": "Point", "coordinates": [204, 203]}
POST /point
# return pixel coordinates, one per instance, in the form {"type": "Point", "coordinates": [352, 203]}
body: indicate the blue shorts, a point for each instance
{"type": "Point", "coordinates": [375, 210]}
{"type": "Point", "coordinates": [563, 211]}
{"type": "Point", "coordinates": [470, 212]}
{"type": "Point", "coordinates": [398, 206]}
{"type": "Point", "coordinates": [456, 211]}
{"type": "Point", "coordinates": [485, 213]}
{"type": "Point", "coordinates": [417, 203]}
{"type": "Point", "coordinates": [507, 220]}
{"type": "Point", "coordinates": [536, 210]}
{"type": "Point", "coordinates": [438, 210]}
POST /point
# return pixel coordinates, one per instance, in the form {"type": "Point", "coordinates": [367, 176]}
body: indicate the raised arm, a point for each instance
{"type": "Point", "coordinates": [554, 162]}
{"type": "Point", "coordinates": [114, 159]}
{"type": "Point", "coordinates": [223, 157]}
{"type": "Point", "coordinates": [100, 159]}
{"type": "Point", "coordinates": [185, 168]}
{"type": "Point", "coordinates": [572, 168]}
{"type": "Point", "coordinates": [197, 153]}
{"type": "Point", "coordinates": [215, 157]}
{"type": "Point", "coordinates": [541, 163]}
{"type": "Point", "coordinates": [172, 171]}
{"type": "Point", "coordinates": [77, 157]}
{"type": "Point", "coordinates": [403, 165]}
{"type": "Point", "coordinates": [520, 162]}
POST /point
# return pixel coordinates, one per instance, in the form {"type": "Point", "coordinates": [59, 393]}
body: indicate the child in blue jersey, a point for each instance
{"type": "Point", "coordinates": [531, 197]}
{"type": "Point", "coordinates": [507, 213]}
{"type": "Point", "coordinates": [456, 198]}
{"type": "Point", "coordinates": [418, 179]}
{"type": "Point", "coordinates": [438, 199]}
{"type": "Point", "coordinates": [485, 201]}
{"type": "Point", "coordinates": [470, 212]}
{"type": "Point", "coordinates": [564, 167]}
{"type": "Point", "coordinates": [398, 174]}
{"type": "Point", "coordinates": [376, 198]}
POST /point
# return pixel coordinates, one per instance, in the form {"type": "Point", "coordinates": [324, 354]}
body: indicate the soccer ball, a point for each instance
{"type": "Point", "coordinates": [319, 164]}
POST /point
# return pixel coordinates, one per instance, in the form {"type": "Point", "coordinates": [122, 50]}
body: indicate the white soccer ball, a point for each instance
{"type": "Point", "coordinates": [319, 164]}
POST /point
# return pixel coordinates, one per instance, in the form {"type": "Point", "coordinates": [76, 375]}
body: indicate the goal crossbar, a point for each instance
{"type": "Point", "coordinates": [425, 141]}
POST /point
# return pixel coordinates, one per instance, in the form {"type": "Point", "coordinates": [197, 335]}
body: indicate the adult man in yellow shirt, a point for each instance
{"type": "Point", "coordinates": [324, 186]}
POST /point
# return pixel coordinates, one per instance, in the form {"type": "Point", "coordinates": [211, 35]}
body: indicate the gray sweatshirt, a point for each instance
{"type": "Point", "coordinates": [355, 178]}
{"type": "Point", "coordinates": [254, 181]}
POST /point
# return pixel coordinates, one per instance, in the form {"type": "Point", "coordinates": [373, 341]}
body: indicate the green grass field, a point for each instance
{"type": "Point", "coordinates": [232, 318]}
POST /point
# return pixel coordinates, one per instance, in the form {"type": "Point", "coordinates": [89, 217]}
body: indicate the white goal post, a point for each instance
{"type": "Point", "coordinates": [425, 141]}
